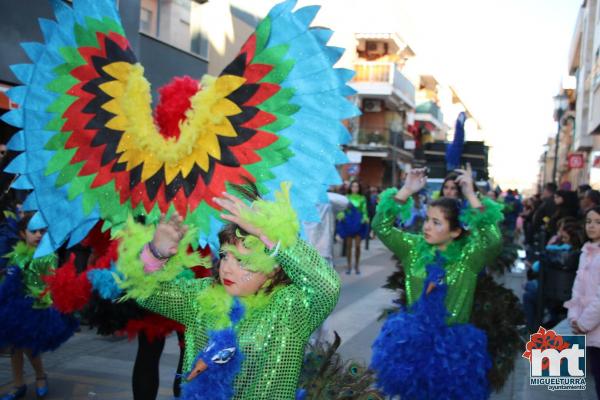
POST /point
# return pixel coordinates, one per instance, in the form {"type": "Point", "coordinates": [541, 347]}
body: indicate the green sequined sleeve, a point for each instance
{"type": "Point", "coordinates": [485, 238]}
{"type": "Point", "coordinates": [398, 241]}
{"type": "Point", "coordinates": [176, 299]}
{"type": "Point", "coordinates": [318, 282]}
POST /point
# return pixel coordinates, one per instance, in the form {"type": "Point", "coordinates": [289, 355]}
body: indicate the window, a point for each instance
{"type": "Point", "coordinates": [176, 22]}
{"type": "Point", "coordinates": [147, 25]}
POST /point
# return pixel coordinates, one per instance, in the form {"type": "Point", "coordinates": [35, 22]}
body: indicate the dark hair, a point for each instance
{"type": "Point", "coordinates": [360, 188]}
{"type": "Point", "coordinates": [551, 187]}
{"type": "Point", "coordinates": [229, 235]}
{"type": "Point", "coordinates": [23, 222]}
{"type": "Point", "coordinates": [593, 195]}
{"type": "Point", "coordinates": [570, 205]}
{"type": "Point", "coordinates": [451, 177]}
{"type": "Point", "coordinates": [575, 232]}
{"type": "Point", "coordinates": [451, 209]}
{"type": "Point", "coordinates": [566, 220]}
{"type": "Point", "coordinates": [584, 188]}
{"type": "Point", "coordinates": [594, 209]}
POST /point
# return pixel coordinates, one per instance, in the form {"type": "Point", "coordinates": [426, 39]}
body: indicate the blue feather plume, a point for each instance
{"type": "Point", "coordinates": [455, 149]}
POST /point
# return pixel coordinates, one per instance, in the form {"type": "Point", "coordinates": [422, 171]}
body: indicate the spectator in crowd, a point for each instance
{"type": "Point", "coordinates": [372, 199]}
{"type": "Point", "coordinates": [321, 235]}
{"type": "Point", "coordinates": [589, 200]}
{"type": "Point", "coordinates": [563, 253]}
{"type": "Point", "coordinates": [513, 208]}
{"type": "Point", "coordinates": [529, 207]}
{"type": "Point", "coordinates": [584, 305]}
{"type": "Point", "coordinates": [546, 208]}
{"type": "Point", "coordinates": [582, 190]}
{"type": "Point", "coordinates": [566, 206]}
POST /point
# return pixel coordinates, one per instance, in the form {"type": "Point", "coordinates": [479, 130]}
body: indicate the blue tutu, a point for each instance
{"type": "Point", "coordinates": [418, 356]}
{"type": "Point", "coordinates": [23, 326]}
{"type": "Point", "coordinates": [352, 225]}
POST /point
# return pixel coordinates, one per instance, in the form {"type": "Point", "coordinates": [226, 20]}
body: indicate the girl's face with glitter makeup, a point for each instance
{"type": "Point", "coordinates": [436, 228]}
{"type": "Point", "coordinates": [237, 280]}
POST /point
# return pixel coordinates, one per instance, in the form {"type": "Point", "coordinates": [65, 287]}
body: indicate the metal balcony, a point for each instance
{"type": "Point", "coordinates": [382, 79]}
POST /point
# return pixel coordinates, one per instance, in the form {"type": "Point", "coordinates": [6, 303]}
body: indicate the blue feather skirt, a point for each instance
{"type": "Point", "coordinates": [417, 356]}
{"type": "Point", "coordinates": [26, 327]}
{"type": "Point", "coordinates": [352, 224]}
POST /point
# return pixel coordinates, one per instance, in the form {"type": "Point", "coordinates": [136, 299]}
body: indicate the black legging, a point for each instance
{"type": "Point", "coordinates": [145, 378]}
{"type": "Point", "coordinates": [593, 353]}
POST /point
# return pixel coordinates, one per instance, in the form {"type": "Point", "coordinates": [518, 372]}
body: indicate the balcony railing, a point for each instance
{"type": "Point", "coordinates": [429, 107]}
{"type": "Point", "coordinates": [385, 72]}
{"type": "Point", "coordinates": [375, 136]}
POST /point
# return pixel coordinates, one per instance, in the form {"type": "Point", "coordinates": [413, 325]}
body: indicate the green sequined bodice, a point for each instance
{"type": "Point", "coordinates": [272, 337]}
{"type": "Point", "coordinates": [465, 259]}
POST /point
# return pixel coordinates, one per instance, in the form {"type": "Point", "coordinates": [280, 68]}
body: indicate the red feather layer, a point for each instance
{"type": "Point", "coordinates": [153, 326]}
{"type": "Point", "coordinates": [70, 291]}
{"type": "Point", "coordinates": [173, 103]}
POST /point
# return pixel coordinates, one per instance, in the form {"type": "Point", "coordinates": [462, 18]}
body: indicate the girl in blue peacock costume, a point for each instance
{"type": "Point", "coordinates": [429, 350]}
{"type": "Point", "coordinates": [353, 225]}
{"type": "Point", "coordinates": [30, 324]}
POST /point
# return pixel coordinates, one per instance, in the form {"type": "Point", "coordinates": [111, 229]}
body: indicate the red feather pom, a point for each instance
{"type": "Point", "coordinates": [70, 291]}
{"type": "Point", "coordinates": [153, 326]}
{"type": "Point", "coordinates": [174, 101]}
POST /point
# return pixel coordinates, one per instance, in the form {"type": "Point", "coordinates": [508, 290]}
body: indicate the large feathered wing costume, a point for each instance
{"type": "Point", "coordinates": [91, 151]}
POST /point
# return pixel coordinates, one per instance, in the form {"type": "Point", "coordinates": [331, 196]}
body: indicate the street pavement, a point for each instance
{"type": "Point", "coordinates": [99, 368]}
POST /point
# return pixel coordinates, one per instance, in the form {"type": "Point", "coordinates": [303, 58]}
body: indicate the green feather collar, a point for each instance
{"type": "Point", "coordinates": [216, 303]}
{"type": "Point", "coordinates": [22, 256]}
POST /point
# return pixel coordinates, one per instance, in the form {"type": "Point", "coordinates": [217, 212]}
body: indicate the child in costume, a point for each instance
{"type": "Point", "coordinates": [430, 351]}
{"type": "Point", "coordinates": [272, 115]}
{"type": "Point", "coordinates": [353, 225]}
{"type": "Point", "coordinates": [30, 324]}
{"type": "Point", "coordinates": [247, 328]}
{"type": "Point", "coordinates": [584, 306]}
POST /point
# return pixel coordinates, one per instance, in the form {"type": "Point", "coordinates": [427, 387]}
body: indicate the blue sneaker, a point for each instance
{"type": "Point", "coordinates": [17, 393]}
{"type": "Point", "coordinates": [41, 392]}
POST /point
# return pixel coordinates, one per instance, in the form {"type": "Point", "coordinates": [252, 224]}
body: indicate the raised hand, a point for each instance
{"type": "Point", "coordinates": [465, 180]}
{"type": "Point", "coordinates": [235, 207]}
{"type": "Point", "coordinates": [168, 234]}
{"type": "Point", "coordinates": [415, 181]}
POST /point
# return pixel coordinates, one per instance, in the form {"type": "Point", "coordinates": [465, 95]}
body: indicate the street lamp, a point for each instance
{"type": "Point", "coordinates": [561, 102]}
{"type": "Point", "coordinates": [395, 130]}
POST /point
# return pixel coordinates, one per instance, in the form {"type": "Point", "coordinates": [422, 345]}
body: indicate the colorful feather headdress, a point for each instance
{"type": "Point", "coordinates": [91, 150]}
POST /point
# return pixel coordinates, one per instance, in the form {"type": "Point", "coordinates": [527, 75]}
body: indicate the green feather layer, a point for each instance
{"type": "Point", "coordinates": [136, 282]}
{"type": "Point", "coordinates": [389, 206]}
{"type": "Point", "coordinates": [475, 218]}
{"type": "Point", "coordinates": [277, 220]}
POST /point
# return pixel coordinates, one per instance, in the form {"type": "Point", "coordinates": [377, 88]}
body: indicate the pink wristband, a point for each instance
{"type": "Point", "coordinates": [151, 263]}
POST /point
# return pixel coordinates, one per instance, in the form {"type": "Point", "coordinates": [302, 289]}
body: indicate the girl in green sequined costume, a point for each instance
{"type": "Point", "coordinates": [285, 287]}
{"type": "Point", "coordinates": [457, 250]}
{"type": "Point", "coordinates": [353, 225]}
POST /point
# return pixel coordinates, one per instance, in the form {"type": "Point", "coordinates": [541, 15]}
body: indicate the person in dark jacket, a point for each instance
{"type": "Point", "coordinates": [547, 208]}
